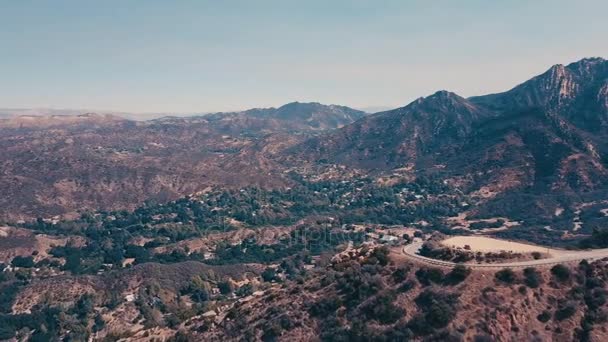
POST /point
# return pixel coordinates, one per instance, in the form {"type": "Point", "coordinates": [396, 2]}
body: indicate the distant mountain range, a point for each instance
{"type": "Point", "coordinates": [295, 116]}
{"type": "Point", "coordinates": [546, 135]}
{"type": "Point", "coordinates": [7, 113]}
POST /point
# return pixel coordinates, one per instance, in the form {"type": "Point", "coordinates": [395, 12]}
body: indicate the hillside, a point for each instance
{"type": "Point", "coordinates": [547, 134]}
{"type": "Point", "coordinates": [362, 294]}
{"type": "Point", "coordinates": [55, 165]}
{"type": "Point", "coordinates": [291, 117]}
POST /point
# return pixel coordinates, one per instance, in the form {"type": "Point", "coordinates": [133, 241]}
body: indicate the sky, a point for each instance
{"type": "Point", "coordinates": [206, 56]}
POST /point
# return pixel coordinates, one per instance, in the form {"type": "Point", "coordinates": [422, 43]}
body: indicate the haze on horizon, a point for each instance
{"type": "Point", "coordinates": [205, 56]}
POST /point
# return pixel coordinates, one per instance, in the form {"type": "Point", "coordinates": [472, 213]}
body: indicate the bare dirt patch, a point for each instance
{"type": "Point", "coordinates": [486, 244]}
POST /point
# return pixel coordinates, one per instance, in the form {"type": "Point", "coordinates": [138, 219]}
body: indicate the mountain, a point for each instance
{"type": "Point", "coordinates": [397, 137]}
{"type": "Point", "coordinates": [291, 117]}
{"type": "Point", "coordinates": [55, 120]}
{"type": "Point", "coordinates": [6, 113]}
{"type": "Point", "coordinates": [545, 136]}
{"type": "Point", "coordinates": [58, 164]}
{"type": "Point", "coordinates": [296, 223]}
{"type": "Point", "coordinates": [576, 92]}
{"type": "Point", "coordinates": [548, 133]}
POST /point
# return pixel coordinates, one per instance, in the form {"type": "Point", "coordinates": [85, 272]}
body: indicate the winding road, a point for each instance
{"type": "Point", "coordinates": [411, 251]}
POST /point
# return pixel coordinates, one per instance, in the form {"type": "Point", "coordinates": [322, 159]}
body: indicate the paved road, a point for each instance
{"type": "Point", "coordinates": [412, 249]}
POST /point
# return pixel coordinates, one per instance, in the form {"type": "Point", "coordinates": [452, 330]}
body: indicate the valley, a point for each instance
{"type": "Point", "coordinates": [450, 218]}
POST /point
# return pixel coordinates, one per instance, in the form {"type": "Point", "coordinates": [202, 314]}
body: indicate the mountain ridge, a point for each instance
{"type": "Point", "coordinates": [556, 122]}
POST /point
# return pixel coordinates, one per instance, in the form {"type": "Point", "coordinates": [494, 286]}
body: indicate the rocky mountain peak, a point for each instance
{"type": "Point", "coordinates": [442, 101]}
{"type": "Point", "coordinates": [555, 89]}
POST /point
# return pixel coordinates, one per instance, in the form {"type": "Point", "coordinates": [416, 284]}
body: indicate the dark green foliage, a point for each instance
{"type": "Point", "coordinates": [245, 290]}
{"type": "Point", "coordinates": [565, 311]}
{"type": "Point", "coordinates": [426, 276]}
{"type": "Point", "coordinates": [312, 239]}
{"type": "Point", "coordinates": [225, 287]}
{"type": "Point", "coordinates": [544, 316]}
{"type": "Point", "coordinates": [21, 261]}
{"type": "Point", "coordinates": [325, 306]}
{"type": "Point", "coordinates": [506, 276]}
{"type": "Point", "coordinates": [140, 253]}
{"type": "Point", "coordinates": [438, 310]}
{"type": "Point", "coordinates": [269, 274]}
{"type": "Point", "coordinates": [197, 289]}
{"type": "Point", "coordinates": [98, 323]}
{"type": "Point", "coordinates": [83, 307]}
{"type": "Point", "coordinates": [45, 324]}
{"type": "Point", "coordinates": [400, 274]}
{"type": "Point", "coordinates": [595, 298]}
{"type": "Point", "coordinates": [532, 278]}
{"type": "Point", "coordinates": [436, 251]}
{"type": "Point", "coordinates": [110, 234]}
{"type": "Point", "coordinates": [406, 286]}
{"type": "Point", "coordinates": [598, 239]}
{"type": "Point", "coordinates": [457, 275]}
{"type": "Point", "coordinates": [561, 273]}
{"type": "Point", "coordinates": [382, 309]}
{"type": "Point", "coordinates": [357, 283]}
{"type": "Point", "coordinates": [381, 256]}
{"type": "Point", "coordinates": [8, 292]}
{"type": "Point", "coordinates": [486, 225]}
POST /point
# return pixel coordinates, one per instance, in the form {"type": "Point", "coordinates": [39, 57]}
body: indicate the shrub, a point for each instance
{"type": "Point", "coordinates": [382, 255]}
{"type": "Point", "coordinates": [532, 278]}
{"type": "Point", "coordinates": [427, 275]}
{"type": "Point", "coordinates": [406, 286]}
{"type": "Point", "coordinates": [544, 316]}
{"type": "Point", "coordinates": [21, 261]}
{"type": "Point", "coordinates": [457, 275]}
{"type": "Point", "coordinates": [523, 290]}
{"type": "Point", "coordinates": [245, 290]}
{"type": "Point", "coordinates": [382, 309]}
{"type": "Point", "coordinates": [225, 287]}
{"type": "Point", "coordinates": [400, 274]}
{"type": "Point", "coordinates": [325, 306]}
{"type": "Point", "coordinates": [269, 274]}
{"type": "Point", "coordinates": [437, 311]}
{"type": "Point", "coordinates": [565, 312]}
{"type": "Point", "coordinates": [506, 276]}
{"type": "Point", "coordinates": [561, 272]}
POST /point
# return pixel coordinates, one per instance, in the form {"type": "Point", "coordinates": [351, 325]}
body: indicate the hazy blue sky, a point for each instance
{"type": "Point", "coordinates": [197, 56]}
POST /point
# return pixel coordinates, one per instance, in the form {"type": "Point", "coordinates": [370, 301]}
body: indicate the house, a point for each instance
{"type": "Point", "coordinates": [389, 238]}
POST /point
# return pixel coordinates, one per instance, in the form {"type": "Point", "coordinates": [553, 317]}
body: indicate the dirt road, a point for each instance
{"type": "Point", "coordinates": [411, 251]}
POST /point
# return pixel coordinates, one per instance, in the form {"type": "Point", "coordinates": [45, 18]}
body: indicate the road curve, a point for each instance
{"type": "Point", "coordinates": [412, 249]}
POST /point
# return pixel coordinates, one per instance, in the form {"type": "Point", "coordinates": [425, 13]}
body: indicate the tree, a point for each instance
{"type": "Point", "coordinates": [532, 277]}
{"type": "Point", "coordinates": [225, 287]}
{"type": "Point", "coordinates": [84, 306]}
{"type": "Point", "coordinates": [561, 273]}
{"type": "Point", "coordinates": [198, 289]}
{"type": "Point", "coordinates": [400, 274]}
{"type": "Point", "coordinates": [426, 276]}
{"type": "Point", "coordinates": [506, 276]}
{"type": "Point", "coordinates": [21, 261]}
{"type": "Point", "coordinates": [565, 311]}
{"type": "Point", "coordinates": [269, 274]}
{"type": "Point", "coordinates": [73, 261]}
{"type": "Point", "coordinates": [457, 275]}
{"type": "Point", "coordinates": [245, 290]}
